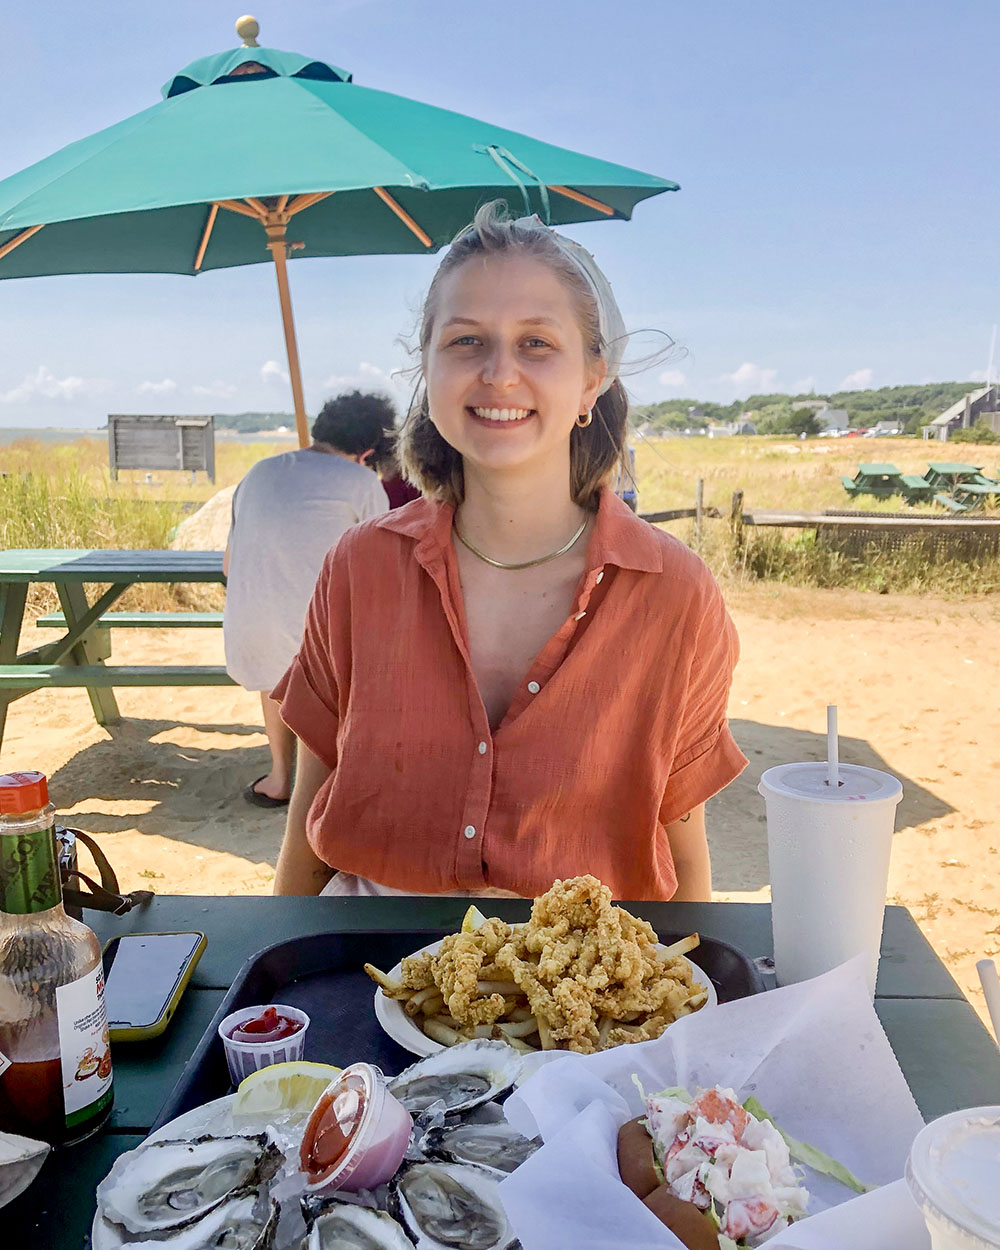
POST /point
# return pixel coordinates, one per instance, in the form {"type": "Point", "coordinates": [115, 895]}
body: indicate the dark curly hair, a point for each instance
{"type": "Point", "coordinates": [353, 423]}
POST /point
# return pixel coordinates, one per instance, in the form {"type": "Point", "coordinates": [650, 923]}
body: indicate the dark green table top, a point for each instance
{"type": "Point", "coordinates": [948, 1058]}
{"type": "Point", "coordinates": [153, 565]}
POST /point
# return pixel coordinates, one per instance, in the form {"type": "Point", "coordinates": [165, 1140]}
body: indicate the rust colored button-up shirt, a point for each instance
{"type": "Point", "coordinates": [618, 729]}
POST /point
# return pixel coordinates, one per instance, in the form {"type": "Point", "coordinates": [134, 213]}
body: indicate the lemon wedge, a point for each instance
{"type": "Point", "coordinates": [282, 1089]}
{"type": "Point", "coordinates": [473, 920]}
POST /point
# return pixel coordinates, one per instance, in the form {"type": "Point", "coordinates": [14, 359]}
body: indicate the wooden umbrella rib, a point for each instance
{"type": "Point", "coordinates": [234, 206]}
{"type": "Point", "coordinates": [588, 200]}
{"type": "Point", "coordinates": [306, 201]}
{"type": "Point", "coordinates": [403, 216]}
{"type": "Point", "coordinates": [283, 202]}
{"type": "Point", "coordinates": [259, 208]}
{"type": "Point", "coordinates": [18, 239]}
{"type": "Point", "coordinates": [206, 234]}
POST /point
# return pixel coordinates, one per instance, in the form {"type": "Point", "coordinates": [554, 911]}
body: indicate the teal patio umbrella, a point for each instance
{"type": "Point", "coordinates": [256, 153]}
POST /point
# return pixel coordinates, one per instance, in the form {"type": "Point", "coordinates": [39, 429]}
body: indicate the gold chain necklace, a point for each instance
{"type": "Point", "coordinates": [527, 564]}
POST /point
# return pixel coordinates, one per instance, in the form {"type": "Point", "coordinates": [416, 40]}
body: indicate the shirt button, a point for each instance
{"type": "Point", "coordinates": [600, 577]}
{"type": "Point", "coordinates": [533, 687]}
{"type": "Point", "coordinates": [470, 831]}
{"type": "Point", "coordinates": [482, 748]}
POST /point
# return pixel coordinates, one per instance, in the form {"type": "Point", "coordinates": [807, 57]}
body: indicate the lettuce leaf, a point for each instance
{"type": "Point", "coordinates": [811, 1156]}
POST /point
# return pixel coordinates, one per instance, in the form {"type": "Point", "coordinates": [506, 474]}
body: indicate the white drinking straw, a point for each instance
{"type": "Point", "coordinates": [987, 970]}
{"type": "Point", "coordinates": [832, 749]}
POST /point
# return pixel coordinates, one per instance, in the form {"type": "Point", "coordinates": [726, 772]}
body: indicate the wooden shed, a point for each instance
{"type": "Point", "coordinates": [161, 442]}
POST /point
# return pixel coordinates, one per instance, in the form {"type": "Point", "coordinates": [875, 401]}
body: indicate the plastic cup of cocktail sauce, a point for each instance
{"type": "Point", "coordinates": [954, 1179]}
{"type": "Point", "coordinates": [357, 1133]}
{"type": "Point", "coordinates": [245, 1057]}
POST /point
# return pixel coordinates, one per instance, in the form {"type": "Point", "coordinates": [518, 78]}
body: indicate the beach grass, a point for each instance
{"type": "Point", "coordinates": [60, 494]}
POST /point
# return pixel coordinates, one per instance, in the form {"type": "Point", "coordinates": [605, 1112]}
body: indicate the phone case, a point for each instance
{"type": "Point", "coordinates": [141, 1033]}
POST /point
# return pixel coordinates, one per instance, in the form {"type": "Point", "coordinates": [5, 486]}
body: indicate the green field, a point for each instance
{"type": "Point", "coordinates": [61, 495]}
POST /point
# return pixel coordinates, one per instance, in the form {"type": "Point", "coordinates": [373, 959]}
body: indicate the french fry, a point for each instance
{"type": "Point", "coordinates": [507, 988]}
{"type": "Point", "coordinates": [545, 1034]}
{"type": "Point", "coordinates": [604, 1027]}
{"type": "Point", "coordinates": [433, 1006]}
{"type": "Point", "coordinates": [680, 947]}
{"type": "Point", "coordinates": [439, 1032]}
{"type": "Point", "coordinates": [389, 987]}
{"type": "Point", "coordinates": [419, 997]}
{"type": "Point", "coordinates": [518, 1028]}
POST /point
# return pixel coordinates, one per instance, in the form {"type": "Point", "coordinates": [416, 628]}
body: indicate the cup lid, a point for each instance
{"type": "Point", "coordinates": [809, 781]}
{"type": "Point", "coordinates": [952, 1171]}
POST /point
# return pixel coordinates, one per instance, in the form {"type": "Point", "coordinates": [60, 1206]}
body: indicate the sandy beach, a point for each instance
{"type": "Point", "coordinates": [917, 681]}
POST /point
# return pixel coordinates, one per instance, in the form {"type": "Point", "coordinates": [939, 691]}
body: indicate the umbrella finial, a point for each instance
{"type": "Point", "coordinates": [248, 28]}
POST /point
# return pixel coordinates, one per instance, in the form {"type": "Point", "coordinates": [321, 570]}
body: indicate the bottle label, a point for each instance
{"type": "Point", "coordinates": [85, 1046]}
{"type": "Point", "coordinates": [4, 1063]}
{"type": "Point", "coordinates": [29, 872]}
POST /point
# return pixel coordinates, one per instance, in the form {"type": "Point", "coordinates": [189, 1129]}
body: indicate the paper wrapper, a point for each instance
{"type": "Point", "coordinates": [813, 1054]}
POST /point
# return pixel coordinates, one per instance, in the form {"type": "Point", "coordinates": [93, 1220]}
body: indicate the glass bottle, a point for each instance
{"type": "Point", "coordinates": [55, 1055]}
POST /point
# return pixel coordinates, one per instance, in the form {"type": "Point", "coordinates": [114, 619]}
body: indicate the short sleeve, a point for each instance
{"type": "Point", "coordinates": [706, 757]}
{"type": "Point", "coordinates": [309, 692]}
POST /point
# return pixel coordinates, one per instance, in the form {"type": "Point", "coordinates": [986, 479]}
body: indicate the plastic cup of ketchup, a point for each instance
{"type": "Point", "coordinates": [357, 1133]}
{"type": "Point", "coordinates": [256, 1037]}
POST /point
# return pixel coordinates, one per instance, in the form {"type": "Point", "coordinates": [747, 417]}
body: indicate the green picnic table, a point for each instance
{"type": "Point", "coordinates": [880, 480]}
{"type": "Point", "coordinates": [77, 657]}
{"type": "Point", "coordinates": [947, 1056]}
{"type": "Point", "coordinates": [943, 473]}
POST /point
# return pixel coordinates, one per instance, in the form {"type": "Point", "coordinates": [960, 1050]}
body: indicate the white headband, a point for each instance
{"type": "Point", "coordinates": [611, 324]}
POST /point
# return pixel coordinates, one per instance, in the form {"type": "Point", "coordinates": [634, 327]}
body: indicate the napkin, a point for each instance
{"type": "Point", "coordinates": [813, 1054]}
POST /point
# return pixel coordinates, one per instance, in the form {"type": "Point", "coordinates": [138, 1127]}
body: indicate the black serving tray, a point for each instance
{"type": "Point", "coordinates": [323, 975]}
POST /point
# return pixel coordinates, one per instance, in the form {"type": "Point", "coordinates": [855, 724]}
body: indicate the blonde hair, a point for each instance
{"type": "Point", "coordinates": [596, 451]}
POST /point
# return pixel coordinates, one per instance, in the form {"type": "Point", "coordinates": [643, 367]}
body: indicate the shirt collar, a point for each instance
{"type": "Point", "coordinates": [620, 537]}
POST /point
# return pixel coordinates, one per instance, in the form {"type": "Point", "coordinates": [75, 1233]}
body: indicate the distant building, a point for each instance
{"type": "Point", "coordinates": [814, 404]}
{"type": "Point", "coordinates": [741, 426]}
{"type": "Point", "coordinates": [829, 418]}
{"type": "Point", "coordinates": [979, 406]}
{"type": "Point", "coordinates": [884, 428]}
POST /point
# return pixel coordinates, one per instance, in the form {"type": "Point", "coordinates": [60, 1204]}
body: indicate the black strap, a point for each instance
{"type": "Point", "coordinates": [107, 895]}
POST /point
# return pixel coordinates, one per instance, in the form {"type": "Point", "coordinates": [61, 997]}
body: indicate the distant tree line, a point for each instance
{"type": "Point", "coordinates": [913, 406]}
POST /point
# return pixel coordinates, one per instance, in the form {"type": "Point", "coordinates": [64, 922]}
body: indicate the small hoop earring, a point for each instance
{"type": "Point", "coordinates": [585, 418]}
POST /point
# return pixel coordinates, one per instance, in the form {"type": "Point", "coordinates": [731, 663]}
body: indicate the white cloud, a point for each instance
{"type": "Point", "coordinates": [217, 390]}
{"type": "Point", "coordinates": [672, 377]}
{"type": "Point", "coordinates": [751, 379]}
{"type": "Point", "coordinates": [271, 371]}
{"type": "Point", "coordinates": [157, 388]}
{"type": "Point", "coordinates": [859, 380]}
{"type": "Point", "coordinates": [365, 378]}
{"type": "Point", "coordinates": [43, 384]}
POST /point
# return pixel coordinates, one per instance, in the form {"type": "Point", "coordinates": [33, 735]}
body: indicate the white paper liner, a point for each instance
{"type": "Point", "coordinates": [813, 1054]}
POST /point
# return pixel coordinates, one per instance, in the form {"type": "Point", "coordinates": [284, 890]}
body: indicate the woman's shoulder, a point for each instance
{"type": "Point", "coordinates": [387, 537]}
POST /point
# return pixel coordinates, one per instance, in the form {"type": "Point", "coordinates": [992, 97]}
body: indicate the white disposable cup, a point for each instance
{"type": "Point", "coordinates": [246, 1057]}
{"type": "Point", "coordinates": [953, 1176]}
{"type": "Point", "coordinates": [828, 850]}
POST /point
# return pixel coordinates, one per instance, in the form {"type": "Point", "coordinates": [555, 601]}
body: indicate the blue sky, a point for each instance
{"type": "Point", "coordinates": [836, 226]}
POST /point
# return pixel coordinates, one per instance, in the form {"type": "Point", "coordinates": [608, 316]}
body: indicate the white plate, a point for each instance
{"type": "Point", "coordinates": [411, 1037]}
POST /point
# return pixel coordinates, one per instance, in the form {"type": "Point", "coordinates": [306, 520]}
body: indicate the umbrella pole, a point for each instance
{"type": "Point", "coordinates": [279, 250]}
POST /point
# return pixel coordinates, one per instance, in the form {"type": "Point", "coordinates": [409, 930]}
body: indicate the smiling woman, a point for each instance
{"type": "Point", "coordinates": [513, 679]}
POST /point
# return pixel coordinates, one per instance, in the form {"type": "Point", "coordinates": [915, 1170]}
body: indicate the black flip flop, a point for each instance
{"type": "Point", "coordinates": [262, 800]}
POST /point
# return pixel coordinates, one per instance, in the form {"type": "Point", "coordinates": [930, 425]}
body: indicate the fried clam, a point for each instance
{"type": "Point", "coordinates": [459, 1078]}
{"type": "Point", "coordinates": [447, 1206]}
{"type": "Point", "coordinates": [348, 1226]}
{"type": "Point", "coordinates": [497, 1148]}
{"type": "Point", "coordinates": [171, 1184]}
{"type": "Point", "coordinates": [247, 1221]}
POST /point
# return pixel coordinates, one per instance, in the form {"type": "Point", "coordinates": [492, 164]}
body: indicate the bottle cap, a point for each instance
{"type": "Point", "coordinates": [22, 792]}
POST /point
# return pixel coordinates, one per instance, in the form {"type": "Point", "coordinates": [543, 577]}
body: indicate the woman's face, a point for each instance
{"type": "Point", "coordinates": [506, 370]}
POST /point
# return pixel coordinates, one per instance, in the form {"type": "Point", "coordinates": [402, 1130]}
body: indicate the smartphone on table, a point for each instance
{"type": "Point", "coordinates": [145, 975]}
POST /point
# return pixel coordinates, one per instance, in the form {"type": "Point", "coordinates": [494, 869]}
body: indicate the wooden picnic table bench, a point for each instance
{"type": "Point", "coordinates": [77, 658]}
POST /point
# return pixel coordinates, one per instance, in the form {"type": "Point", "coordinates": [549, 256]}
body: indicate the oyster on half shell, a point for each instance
{"type": "Point", "coordinates": [498, 1147]}
{"type": "Point", "coordinates": [246, 1221]}
{"type": "Point", "coordinates": [170, 1184]}
{"type": "Point", "coordinates": [21, 1159]}
{"type": "Point", "coordinates": [348, 1226]}
{"type": "Point", "coordinates": [459, 1078]}
{"type": "Point", "coordinates": [450, 1205]}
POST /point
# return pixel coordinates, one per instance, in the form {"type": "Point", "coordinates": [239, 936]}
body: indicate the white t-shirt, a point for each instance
{"type": "Point", "coordinates": [288, 512]}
